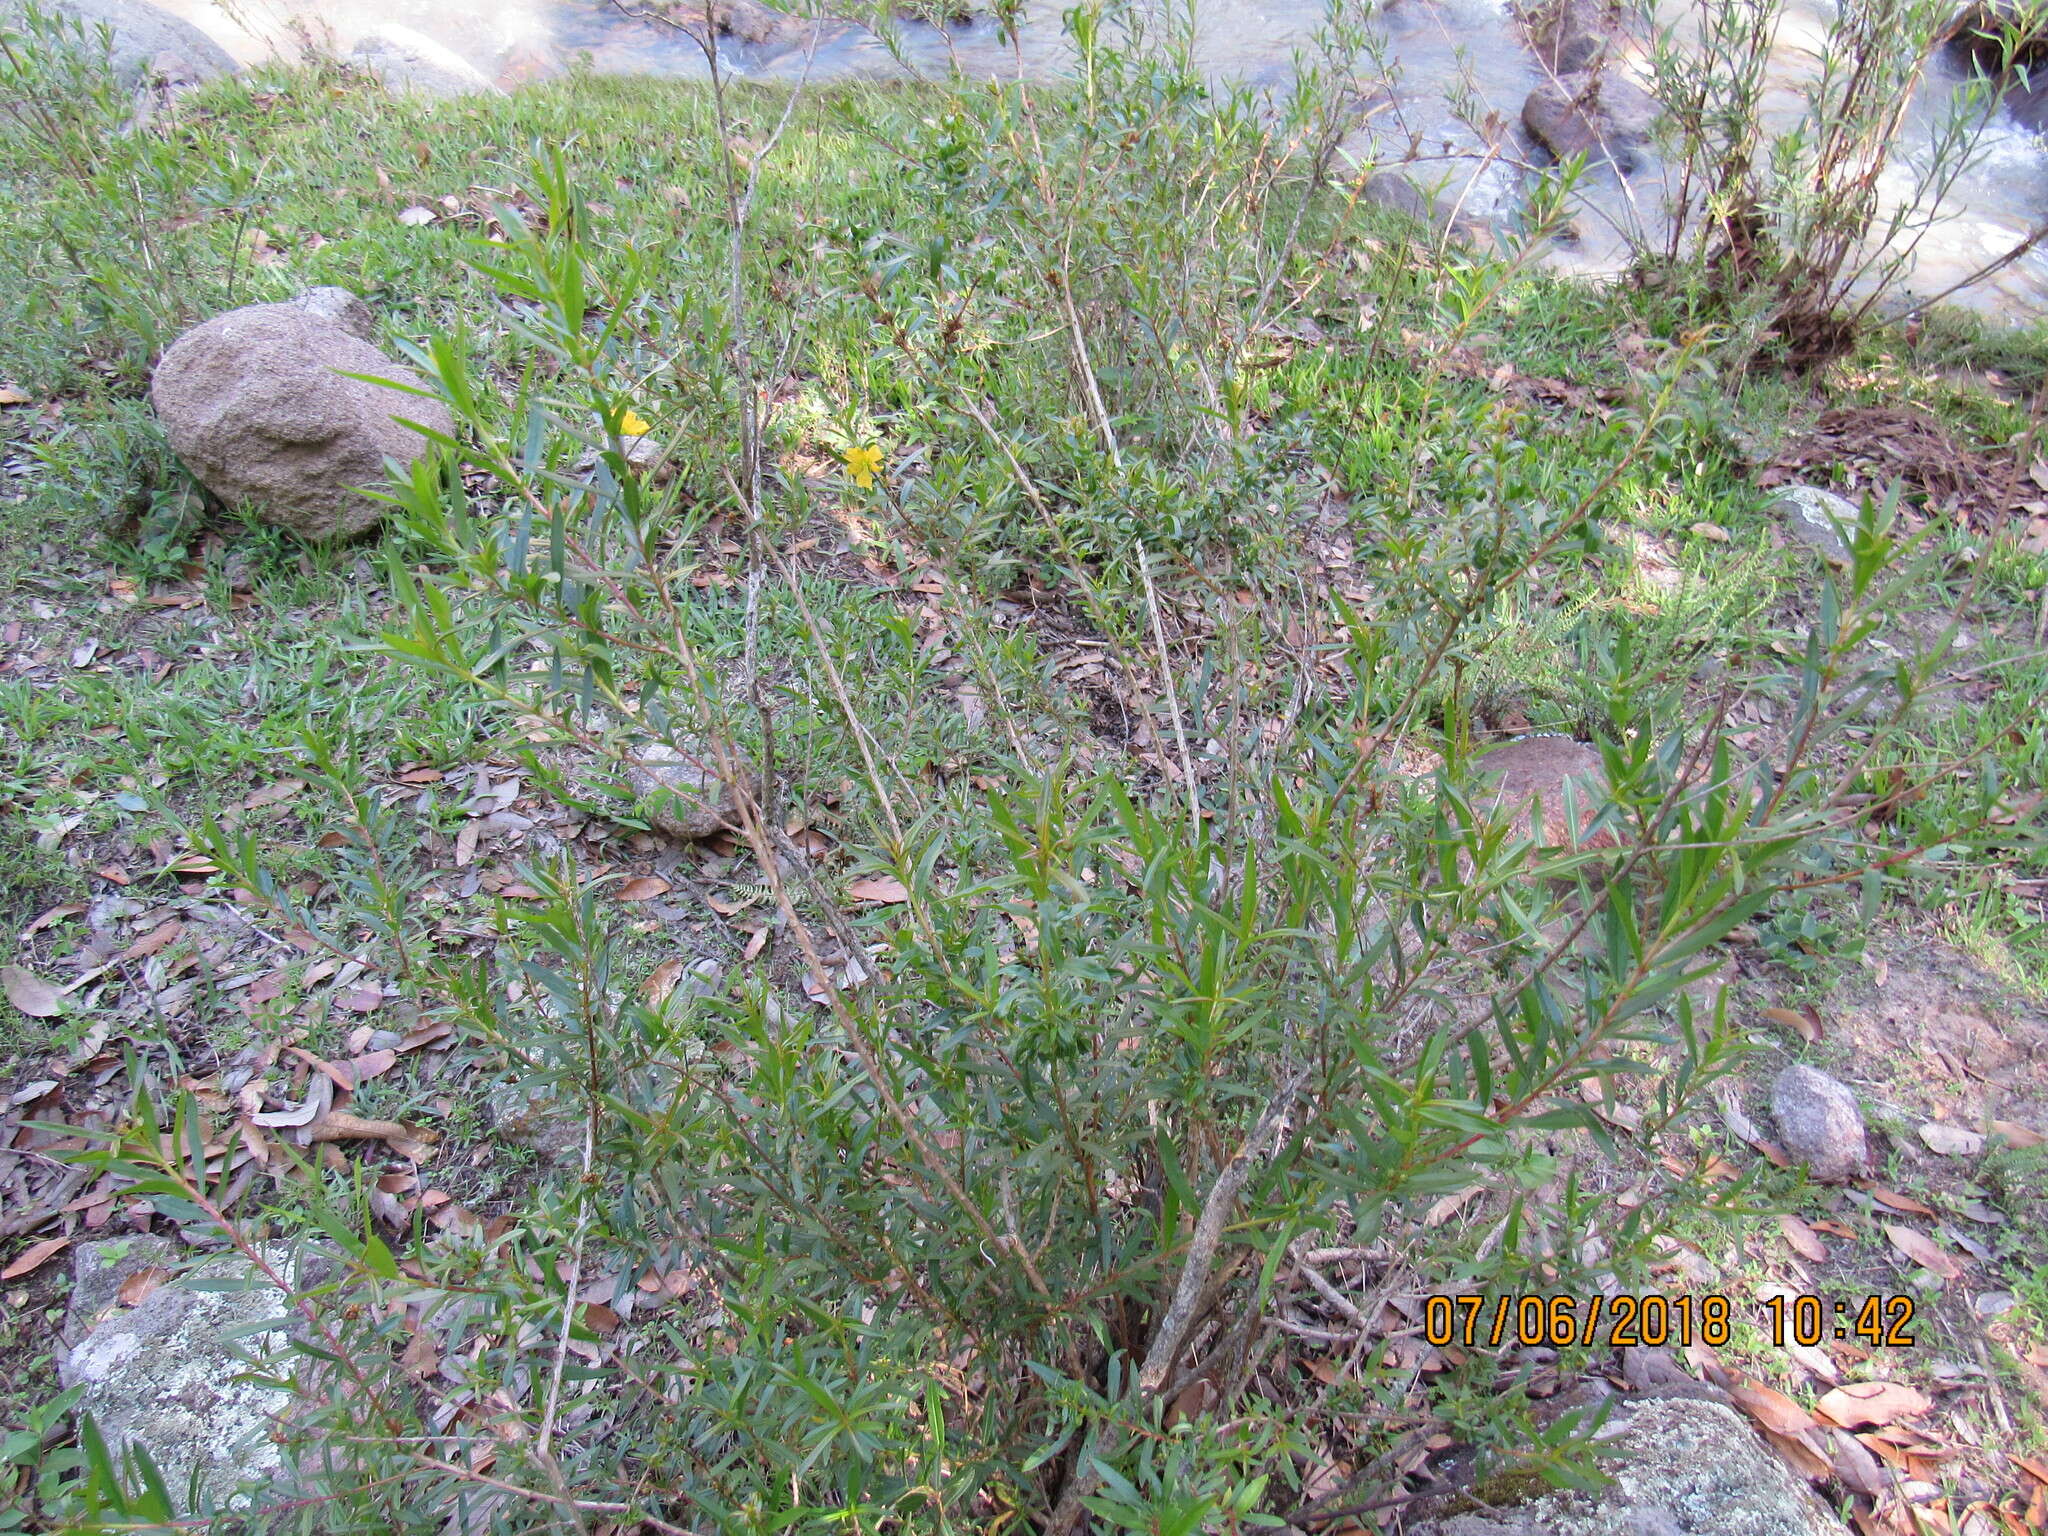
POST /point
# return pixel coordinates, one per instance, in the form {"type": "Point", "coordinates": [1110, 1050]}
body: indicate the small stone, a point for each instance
{"type": "Point", "coordinates": [259, 405]}
{"type": "Point", "coordinates": [680, 795]}
{"type": "Point", "coordinates": [1819, 1123]}
{"type": "Point", "coordinates": [1810, 515]}
{"type": "Point", "coordinates": [409, 63]}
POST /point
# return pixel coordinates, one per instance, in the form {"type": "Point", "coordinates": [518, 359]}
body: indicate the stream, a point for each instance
{"type": "Point", "coordinates": [1471, 51]}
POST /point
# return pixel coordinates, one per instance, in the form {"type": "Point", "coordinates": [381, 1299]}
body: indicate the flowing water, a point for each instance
{"type": "Point", "coordinates": [1470, 52]}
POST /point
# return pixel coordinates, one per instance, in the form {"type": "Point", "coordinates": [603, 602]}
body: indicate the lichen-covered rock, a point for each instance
{"type": "Point", "coordinates": [1819, 1123]}
{"type": "Point", "coordinates": [165, 1374]}
{"type": "Point", "coordinates": [258, 404]}
{"type": "Point", "coordinates": [409, 63]}
{"type": "Point", "coordinates": [145, 44]}
{"type": "Point", "coordinates": [1565, 778]}
{"type": "Point", "coordinates": [1681, 1467]}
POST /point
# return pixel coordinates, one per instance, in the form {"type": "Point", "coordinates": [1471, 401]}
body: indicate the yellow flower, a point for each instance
{"type": "Point", "coordinates": [862, 463]}
{"type": "Point", "coordinates": [632, 425]}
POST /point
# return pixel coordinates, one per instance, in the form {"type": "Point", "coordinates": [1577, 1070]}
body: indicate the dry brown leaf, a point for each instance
{"type": "Point", "coordinates": [1862, 1403]}
{"type": "Point", "coordinates": [1804, 1240]}
{"type": "Point", "coordinates": [156, 939]}
{"type": "Point", "coordinates": [34, 1257]}
{"type": "Point", "coordinates": [662, 982]}
{"type": "Point", "coordinates": [138, 1287]}
{"type": "Point", "coordinates": [1770, 1408]}
{"type": "Point", "coordinates": [319, 1094]}
{"type": "Point", "coordinates": [421, 1356]}
{"type": "Point", "coordinates": [341, 1077]}
{"type": "Point", "coordinates": [371, 1064]}
{"type": "Point", "coordinates": [1805, 1023]}
{"type": "Point", "coordinates": [599, 1318]}
{"type": "Point", "coordinates": [362, 999]}
{"type": "Point", "coordinates": [756, 942]}
{"type": "Point", "coordinates": [1712, 531]}
{"type": "Point", "coordinates": [2017, 1135]}
{"type": "Point", "coordinates": [29, 992]}
{"type": "Point", "coordinates": [1951, 1140]}
{"type": "Point", "coordinates": [55, 915]}
{"type": "Point", "coordinates": [339, 1125]}
{"type": "Point", "coordinates": [1897, 1201]}
{"type": "Point", "coordinates": [1857, 1468]}
{"type": "Point", "coordinates": [270, 794]}
{"type": "Point", "coordinates": [1800, 1456]}
{"type": "Point", "coordinates": [426, 1034]}
{"type": "Point", "coordinates": [645, 888]}
{"type": "Point", "coordinates": [880, 890]}
{"type": "Point", "coordinates": [1816, 1361]}
{"type": "Point", "coordinates": [520, 891]}
{"type": "Point", "coordinates": [1923, 1250]}
{"type": "Point", "coordinates": [1447, 1207]}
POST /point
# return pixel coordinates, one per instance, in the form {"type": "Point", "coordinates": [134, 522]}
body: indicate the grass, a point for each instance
{"type": "Point", "coordinates": [940, 645]}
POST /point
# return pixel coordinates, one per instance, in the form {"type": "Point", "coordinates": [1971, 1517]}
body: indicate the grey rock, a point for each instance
{"type": "Point", "coordinates": [409, 63]}
{"type": "Point", "coordinates": [257, 404]}
{"type": "Point", "coordinates": [1819, 1123]}
{"type": "Point", "coordinates": [745, 21]}
{"type": "Point", "coordinates": [161, 1375]}
{"type": "Point", "coordinates": [680, 794]}
{"type": "Point", "coordinates": [1812, 516]}
{"type": "Point", "coordinates": [1599, 113]}
{"type": "Point", "coordinates": [1571, 35]}
{"type": "Point", "coordinates": [1393, 191]}
{"type": "Point", "coordinates": [146, 45]}
{"type": "Point", "coordinates": [1681, 1467]}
